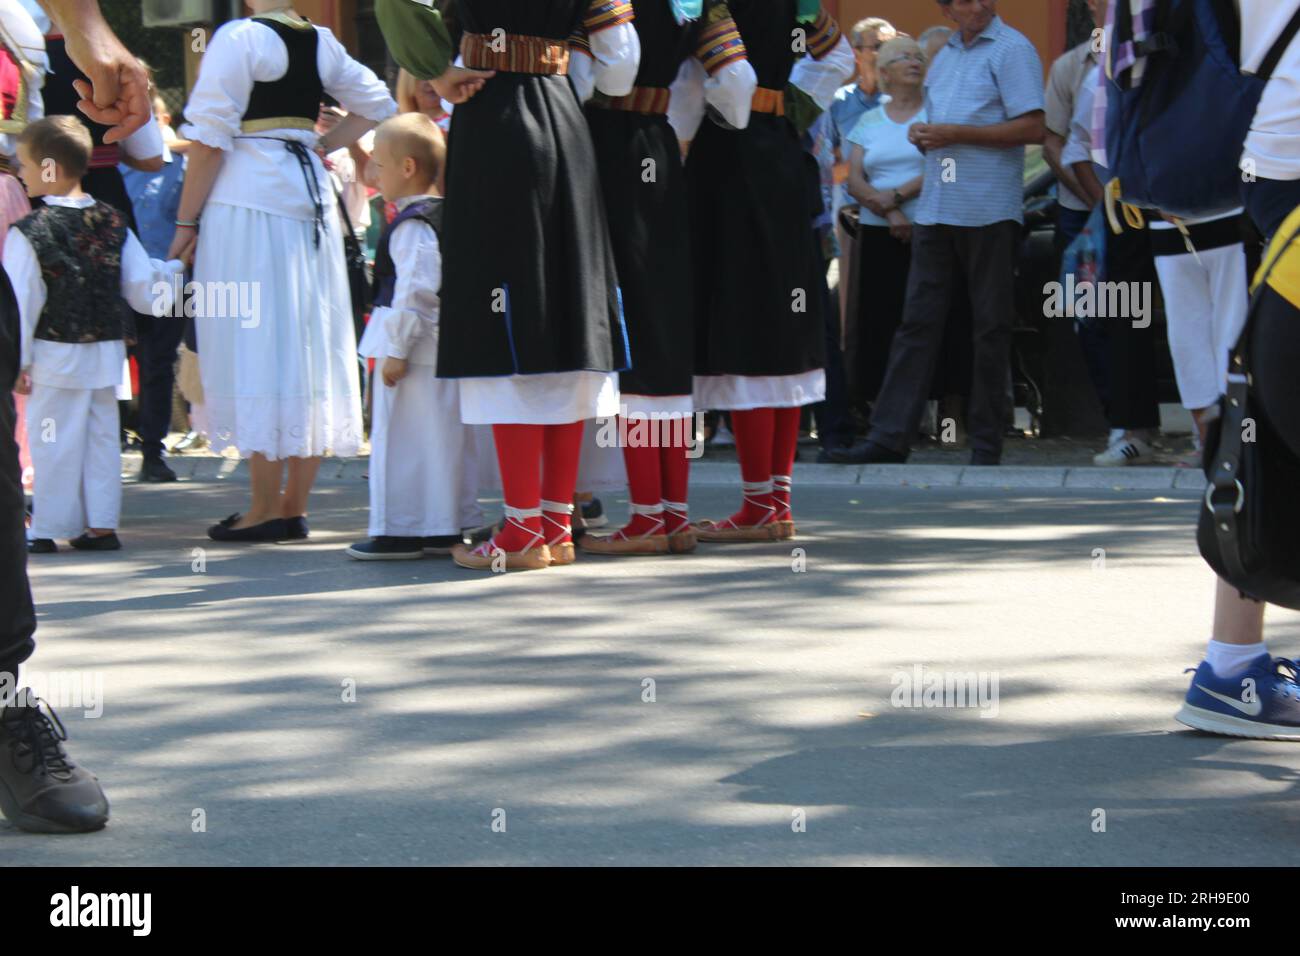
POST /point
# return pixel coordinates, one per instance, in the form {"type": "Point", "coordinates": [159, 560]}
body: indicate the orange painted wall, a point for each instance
{"type": "Point", "coordinates": [1043, 21]}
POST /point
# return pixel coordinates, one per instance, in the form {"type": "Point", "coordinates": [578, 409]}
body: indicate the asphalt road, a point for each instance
{"type": "Point", "coordinates": [772, 735]}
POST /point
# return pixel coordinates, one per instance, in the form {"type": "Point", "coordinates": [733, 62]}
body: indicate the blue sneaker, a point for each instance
{"type": "Point", "coordinates": [1262, 701]}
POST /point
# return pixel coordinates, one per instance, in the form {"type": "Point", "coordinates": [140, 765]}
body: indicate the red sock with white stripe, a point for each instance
{"type": "Point", "coordinates": [785, 444]}
{"type": "Point", "coordinates": [753, 429]}
{"type": "Point", "coordinates": [645, 488]}
{"type": "Point", "coordinates": [675, 472]}
{"type": "Point", "coordinates": [519, 455]}
{"type": "Point", "coordinates": [561, 449]}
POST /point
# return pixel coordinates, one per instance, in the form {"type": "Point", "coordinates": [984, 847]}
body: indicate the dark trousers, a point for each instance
{"type": "Point", "coordinates": [17, 616]}
{"type": "Point", "coordinates": [1133, 397]}
{"type": "Point", "coordinates": [155, 353]}
{"type": "Point", "coordinates": [834, 428]}
{"type": "Point", "coordinates": [986, 256]}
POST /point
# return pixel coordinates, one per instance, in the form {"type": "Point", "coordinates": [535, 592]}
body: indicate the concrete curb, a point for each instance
{"type": "Point", "coordinates": [713, 473]}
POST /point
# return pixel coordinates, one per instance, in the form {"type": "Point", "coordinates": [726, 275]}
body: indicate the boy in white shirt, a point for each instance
{"type": "Point", "coordinates": [69, 261]}
{"type": "Point", "coordinates": [423, 461]}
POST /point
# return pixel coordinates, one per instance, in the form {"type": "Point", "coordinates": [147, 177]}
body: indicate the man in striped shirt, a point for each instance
{"type": "Point", "coordinates": [984, 98]}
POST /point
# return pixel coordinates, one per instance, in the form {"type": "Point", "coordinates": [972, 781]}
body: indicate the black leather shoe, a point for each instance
{"type": "Point", "coordinates": [155, 470]}
{"type": "Point", "coordinates": [91, 542]}
{"type": "Point", "coordinates": [984, 459]}
{"type": "Point", "coordinates": [866, 453]}
{"type": "Point", "coordinates": [297, 528]}
{"type": "Point", "coordinates": [42, 546]}
{"type": "Point", "coordinates": [274, 530]}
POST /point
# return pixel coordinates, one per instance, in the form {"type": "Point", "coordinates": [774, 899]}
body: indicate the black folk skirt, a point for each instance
{"type": "Point", "coordinates": [644, 189]}
{"type": "Point", "coordinates": [529, 283]}
{"type": "Point", "coordinates": [759, 280]}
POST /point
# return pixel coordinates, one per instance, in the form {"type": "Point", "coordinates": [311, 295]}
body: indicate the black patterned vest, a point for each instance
{"type": "Point", "coordinates": [293, 101]}
{"type": "Point", "coordinates": [80, 254]}
{"type": "Point", "coordinates": [427, 210]}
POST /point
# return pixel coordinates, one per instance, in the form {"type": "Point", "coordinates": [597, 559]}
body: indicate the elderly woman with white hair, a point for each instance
{"type": "Point", "coordinates": [885, 177]}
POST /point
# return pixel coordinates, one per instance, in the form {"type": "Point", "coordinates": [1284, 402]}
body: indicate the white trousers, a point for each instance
{"type": "Point", "coordinates": [424, 467]}
{"type": "Point", "coordinates": [77, 459]}
{"type": "Point", "coordinates": [1206, 305]}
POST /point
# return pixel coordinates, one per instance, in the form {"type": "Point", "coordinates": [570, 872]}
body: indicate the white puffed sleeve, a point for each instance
{"type": "Point", "coordinates": [616, 58]}
{"type": "Point", "coordinates": [582, 70]}
{"type": "Point", "coordinates": [730, 91]}
{"type": "Point", "coordinates": [351, 83]}
{"type": "Point", "coordinates": [225, 81]}
{"type": "Point", "coordinates": [686, 105]}
{"type": "Point", "coordinates": [820, 77]}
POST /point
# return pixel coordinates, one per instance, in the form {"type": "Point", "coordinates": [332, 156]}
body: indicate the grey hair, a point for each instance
{"type": "Point", "coordinates": [925, 36]}
{"type": "Point", "coordinates": [875, 25]}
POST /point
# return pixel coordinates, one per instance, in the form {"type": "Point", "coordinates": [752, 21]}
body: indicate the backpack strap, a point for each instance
{"type": "Point", "coordinates": [1276, 51]}
{"type": "Point", "coordinates": [1225, 497]}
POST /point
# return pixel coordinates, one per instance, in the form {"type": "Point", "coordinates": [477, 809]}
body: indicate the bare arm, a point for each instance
{"type": "Point", "coordinates": [346, 132]}
{"type": "Point", "coordinates": [859, 188]}
{"type": "Point", "coordinates": [118, 92]}
{"type": "Point", "coordinates": [1053, 145]}
{"type": "Point", "coordinates": [203, 164]}
{"type": "Point", "coordinates": [1090, 188]}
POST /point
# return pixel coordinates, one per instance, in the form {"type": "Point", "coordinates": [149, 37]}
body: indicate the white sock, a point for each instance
{"type": "Point", "coordinates": [1229, 659]}
{"type": "Point", "coordinates": [1116, 436]}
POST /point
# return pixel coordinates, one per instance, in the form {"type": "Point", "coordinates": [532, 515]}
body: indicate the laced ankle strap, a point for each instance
{"type": "Point", "coordinates": [782, 484]}
{"type": "Point", "coordinates": [515, 517]}
{"type": "Point", "coordinates": [550, 508]}
{"type": "Point", "coordinates": [750, 491]}
{"type": "Point", "coordinates": [655, 511]}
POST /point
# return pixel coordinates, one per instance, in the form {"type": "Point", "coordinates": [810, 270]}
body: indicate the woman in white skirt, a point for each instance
{"type": "Point", "coordinates": [273, 315]}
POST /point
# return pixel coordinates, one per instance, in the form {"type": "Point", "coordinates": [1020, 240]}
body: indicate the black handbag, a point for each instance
{"type": "Point", "coordinates": [358, 270]}
{"type": "Point", "coordinates": [1248, 532]}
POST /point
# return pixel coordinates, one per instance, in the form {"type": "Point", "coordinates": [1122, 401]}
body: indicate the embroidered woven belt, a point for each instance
{"type": "Point", "coordinates": [102, 157]}
{"type": "Point", "coordinates": [642, 99]}
{"type": "Point", "coordinates": [513, 53]}
{"type": "Point", "coordinates": [769, 101]}
{"type": "Point", "coordinates": [276, 122]}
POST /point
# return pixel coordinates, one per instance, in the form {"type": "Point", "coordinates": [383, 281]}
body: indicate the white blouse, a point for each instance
{"type": "Point", "coordinates": [259, 172]}
{"type": "Point", "coordinates": [408, 328]}
{"type": "Point", "coordinates": [147, 286]}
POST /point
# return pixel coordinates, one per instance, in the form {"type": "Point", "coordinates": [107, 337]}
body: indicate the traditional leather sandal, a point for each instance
{"type": "Point", "coordinates": [489, 557]}
{"type": "Point", "coordinates": [729, 532]}
{"type": "Point", "coordinates": [652, 542]}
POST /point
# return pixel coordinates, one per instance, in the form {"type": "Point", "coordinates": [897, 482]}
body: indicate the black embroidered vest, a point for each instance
{"type": "Point", "coordinates": [295, 96]}
{"type": "Point", "coordinates": [80, 254]}
{"type": "Point", "coordinates": [427, 210]}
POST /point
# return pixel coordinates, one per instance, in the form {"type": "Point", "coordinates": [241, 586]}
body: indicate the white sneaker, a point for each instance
{"type": "Point", "coordinates": [1126, 451]}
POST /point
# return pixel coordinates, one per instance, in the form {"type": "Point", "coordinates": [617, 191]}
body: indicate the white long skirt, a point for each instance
{"type": "Point", "coordinates": [278, 359]}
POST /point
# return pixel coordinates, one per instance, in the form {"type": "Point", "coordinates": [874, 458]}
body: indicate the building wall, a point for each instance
{"type": "Point", "coordinates": [1043, 21]}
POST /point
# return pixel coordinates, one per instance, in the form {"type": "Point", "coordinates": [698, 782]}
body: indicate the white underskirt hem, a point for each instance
{"type": "Point", "coordinates": [656, 406]}
{"type": "Point", "coordinates": [744, 392]}
{"type": "Point", "coordinates": [552, 398]}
